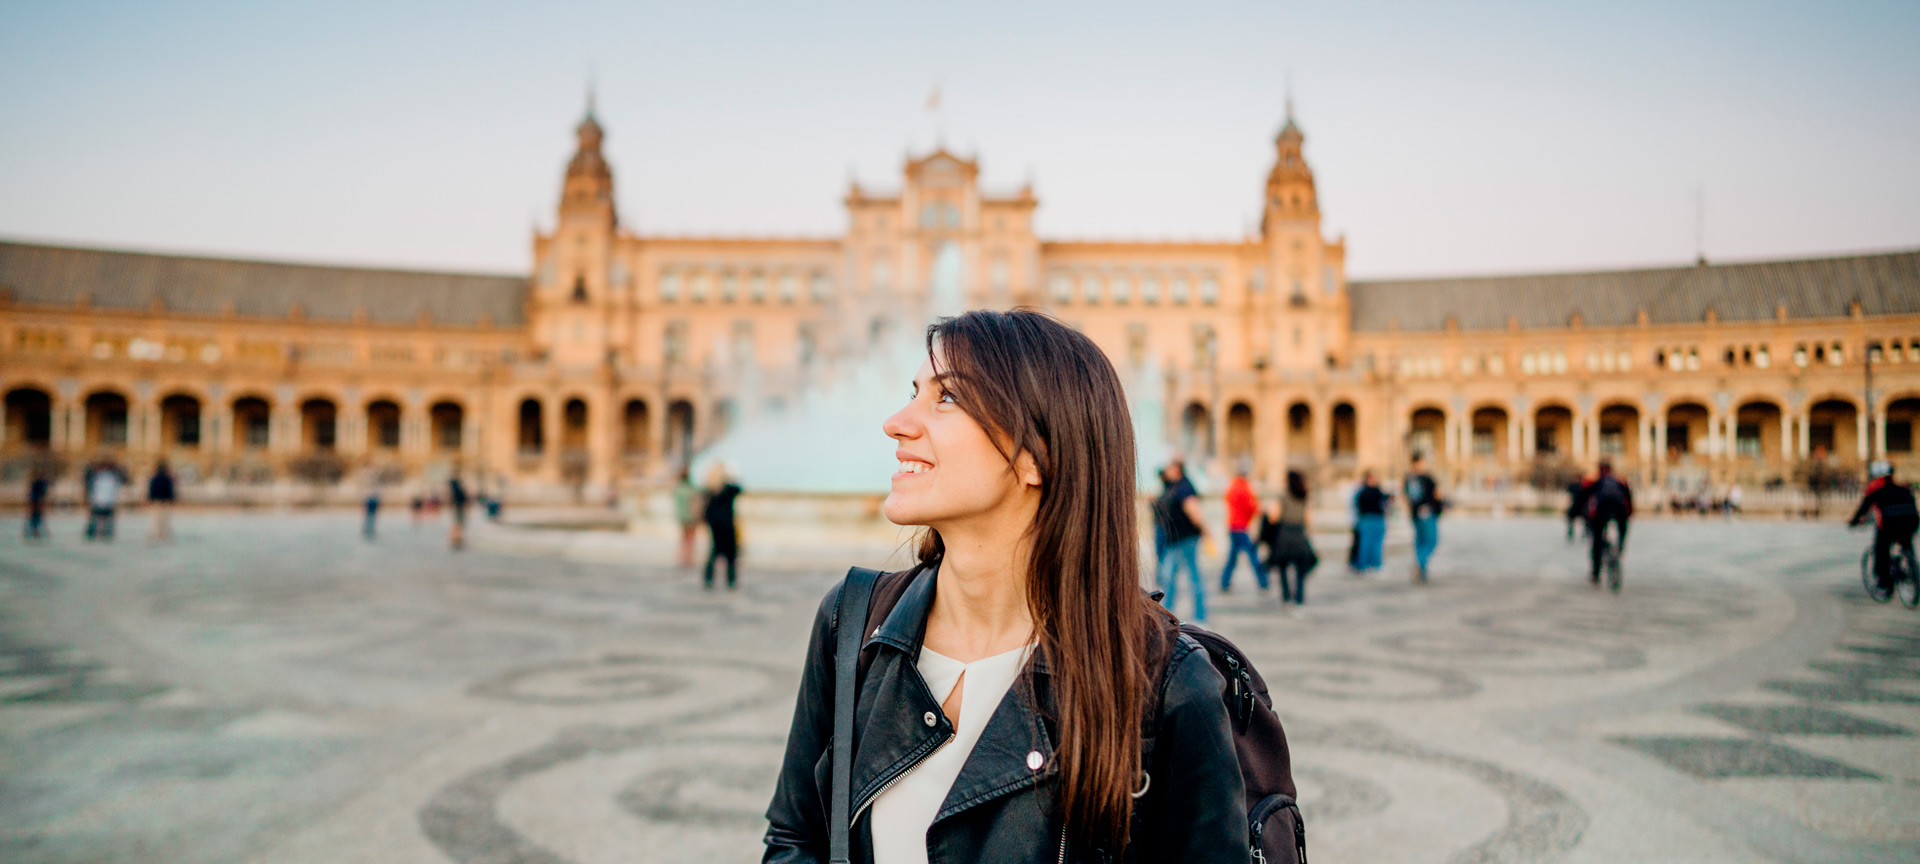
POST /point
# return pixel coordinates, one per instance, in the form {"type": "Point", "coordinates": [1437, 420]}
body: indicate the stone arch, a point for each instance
{"type": "Point", "coordinates": [531, 428]}
{"type": "Point", "coordinates": [1903, 420]}
{"type": "Point", "coordinates": [1196, 431]}
{"type": "Point", "coordinates": [636, 427]}
{"type": "Point", "coordinates": [180, 416]}
{"type": "Point", "coordinates": [1833, 427]}
{"type": "Point", "coordinates": [1299, 432]}
{"type": "Point", "coordinates": [29, 416]}
{"type": "Point", "coordinates": [252, 422]}
{"type": "Point", "coordinates": [1553, 430]}
{"type": "Point", "coordinates": [680, 429]}
{"type": "Point", "coordinates": [1619, 435]}
{"type": "Point", "coordinates": [1490, 425]}
{"type": "Point", "coordinates": [576, 416]}
{"type": "Point", "coordinates": [107, 416]}
{"type": "Point", "coordinates": [1758, 431]}
{"type": "Point", "coordinates": [1427, 432]}
{"type": "Point", "coordinates": [1343, 430]}
{"type": "Point", "coordinates": [384, 431]}
{"type": "Point", "coordinates": [1688, 424]}
{"type": "Point", "coordinates": [1240, 435]}
{"type": "Point", "coordinates": [447, 425]}
{"type": "Point", "coordinates": [319, 423]}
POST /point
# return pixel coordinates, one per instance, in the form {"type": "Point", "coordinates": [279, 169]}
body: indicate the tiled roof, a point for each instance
{"type": "Point", "coordinates": [40, 275]}
{"type": "Point", "coordinates": [1883, 284]}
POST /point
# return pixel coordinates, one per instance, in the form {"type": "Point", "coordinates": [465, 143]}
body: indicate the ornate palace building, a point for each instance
{"type": "Point", "coordinates": [622, 353]}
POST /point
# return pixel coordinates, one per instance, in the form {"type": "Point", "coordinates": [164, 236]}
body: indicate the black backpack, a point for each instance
{"type": "Point", "coordinates": [1275, 831]}
{"type": "Point", "coordinates": [1606, 496]}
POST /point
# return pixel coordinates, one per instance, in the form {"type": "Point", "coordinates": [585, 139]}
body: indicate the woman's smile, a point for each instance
{"type": "Point", "coordinates": [911, 466]}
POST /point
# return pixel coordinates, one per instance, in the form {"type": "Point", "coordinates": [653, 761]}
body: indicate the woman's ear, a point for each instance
{"type": "Point", "coordinates": [1027, 469]}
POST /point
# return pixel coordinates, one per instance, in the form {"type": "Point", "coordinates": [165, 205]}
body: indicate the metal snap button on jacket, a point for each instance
{"type": "Point", "coordinates": [1034, 760]}
{"type": "Point", "coordinates": [928, 717]}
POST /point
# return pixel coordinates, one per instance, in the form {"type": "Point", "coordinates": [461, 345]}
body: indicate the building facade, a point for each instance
{"type": "Point", "coordinates": [622, 353]}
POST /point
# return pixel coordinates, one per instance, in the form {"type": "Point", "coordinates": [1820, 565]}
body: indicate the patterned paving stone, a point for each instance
{"type": "Point", "coordinates": [271, 690]}
{"type": "Point", "coordinates": [1797, 720]}
{"type": "Point", "coordinates": [1739, 757]}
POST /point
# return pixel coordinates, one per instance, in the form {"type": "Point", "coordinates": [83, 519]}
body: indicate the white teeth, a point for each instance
{"type": "Point", "coordinates": [913, 467]}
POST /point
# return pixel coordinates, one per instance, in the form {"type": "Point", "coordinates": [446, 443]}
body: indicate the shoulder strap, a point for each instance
{"type": "Point", "coordinates": [855, 593]}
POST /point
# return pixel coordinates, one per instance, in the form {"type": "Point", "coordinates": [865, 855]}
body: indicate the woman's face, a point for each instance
{"type": "Point", "coordinates": [949, 471]}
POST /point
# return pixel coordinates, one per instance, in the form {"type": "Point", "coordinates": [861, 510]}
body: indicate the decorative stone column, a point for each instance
{"type": "Point", "coordinates": [350, 424]}
{"type": "Point", "coordinates": [216, 420]}
{"type": "Point", "coordinates": [1786, 438]}
{"type": "Point", "coordinates": [69, 417]}
{"type": "Point", "coordinates": [283, 427]}
{"type": "Point", "coordinates": [1861, 443]}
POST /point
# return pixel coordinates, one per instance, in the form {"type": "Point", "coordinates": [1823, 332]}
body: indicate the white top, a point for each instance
{"type": "Point", "coordinates": [905, 810]}
{"type": "Point", "coordinates": [105, 491]}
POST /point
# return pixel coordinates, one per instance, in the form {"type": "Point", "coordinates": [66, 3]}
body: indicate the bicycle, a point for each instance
{"type": "Point", "coordinates": [1906, 576]}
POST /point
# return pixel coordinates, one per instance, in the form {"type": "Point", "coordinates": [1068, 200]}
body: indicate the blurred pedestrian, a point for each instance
{"type": "Point", "coordinates": [37, 504]}
{"type": "Point", "coordinates": [1159, 524]}
{"type": "Point", "coordinates": [103, 481]}
{"type": "Point", "coordinates": [1179, 509]}
{"type": "Point", "coordinates": [373, 511]}
{"type": "Point", "coordinates": [1241, 508]}
{"type": "Point", "coordinates": [689, 508]}
{"type": "Point", "coordinates": [160, 497]}
{"type": "Point", "coordinates": [1424, 506]}
{"type": "Point", "coordinates": [419, 507]}
{"type": "Point", "coordinates": [1370, 522]}
{"type": "Point", "coordinates": [721, 492]}
{"type": "Point", "coordinates": [1576, 505]}
{"type": "Point", "coordinates": [1283, 530]}
{"type": "Point", "coordinates": [457, 502]}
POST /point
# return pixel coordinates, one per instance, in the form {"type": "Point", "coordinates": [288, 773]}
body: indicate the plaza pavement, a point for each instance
{"type": "Point", "coordinates": [272, 689]}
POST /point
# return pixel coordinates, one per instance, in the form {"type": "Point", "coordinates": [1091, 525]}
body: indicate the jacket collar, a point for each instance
{"type": "Point", "coordinates": [905, 627]}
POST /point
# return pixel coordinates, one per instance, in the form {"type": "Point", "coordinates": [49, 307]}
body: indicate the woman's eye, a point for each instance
{"type": "Point", "coordinates": [947, 397]}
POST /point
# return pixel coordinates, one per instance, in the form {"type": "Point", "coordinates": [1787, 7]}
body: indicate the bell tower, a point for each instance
{"type": "Point", "coordinates": [1308, 273]}
{"type": "Point", "coordinates": [587, 195]}
{"type": "Point", "coordinates": [577, 270]}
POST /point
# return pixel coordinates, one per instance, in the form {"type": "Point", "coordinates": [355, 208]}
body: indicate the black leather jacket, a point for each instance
{"type": "Point", "coordinates": [999, 809]}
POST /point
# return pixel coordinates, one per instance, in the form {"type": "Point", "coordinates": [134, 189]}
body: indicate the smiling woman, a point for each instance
{"type": "Point", "coordinates": [1007, 670]}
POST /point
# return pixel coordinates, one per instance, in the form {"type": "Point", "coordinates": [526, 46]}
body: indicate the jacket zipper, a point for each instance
{"type": "Point", "coordinates": [1063, 844]}
{"type": "Point", "coordinates": [855, 819]}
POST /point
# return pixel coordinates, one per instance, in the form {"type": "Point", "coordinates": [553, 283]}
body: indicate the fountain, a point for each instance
{"type": "Point", "coordinates": [831, 443]}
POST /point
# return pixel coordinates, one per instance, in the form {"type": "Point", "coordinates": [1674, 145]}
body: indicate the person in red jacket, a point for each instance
{"type": "Point", "coordinates": [1241, 508]}
{"type": "Point", "coordinates": [1895, 518]}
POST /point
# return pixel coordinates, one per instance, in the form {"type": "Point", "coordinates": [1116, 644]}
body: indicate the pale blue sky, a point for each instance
{"type": "Point", "coordinates": [1489, 137]}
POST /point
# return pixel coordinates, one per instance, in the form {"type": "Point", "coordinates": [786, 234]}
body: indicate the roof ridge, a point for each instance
{"type": "Point", "coordinates": [220, 259]}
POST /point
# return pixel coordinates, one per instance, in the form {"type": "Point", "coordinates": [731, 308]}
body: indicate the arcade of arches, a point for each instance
{"type": "Point", "coordinates": [621, 355]}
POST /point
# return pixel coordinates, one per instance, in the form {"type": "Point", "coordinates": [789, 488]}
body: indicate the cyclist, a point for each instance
{"type": "Point", "coordinates": [1607, 500]}
{"type": "Point", "coordinates": [1894, 519]}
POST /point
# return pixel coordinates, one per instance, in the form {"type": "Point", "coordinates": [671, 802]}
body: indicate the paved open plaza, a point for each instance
{"type": "Point", "coordinates": [272, 688]}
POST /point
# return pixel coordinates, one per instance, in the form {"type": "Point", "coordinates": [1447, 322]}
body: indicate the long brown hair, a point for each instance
{"type": "Point", "coordinates": [1039, 387]}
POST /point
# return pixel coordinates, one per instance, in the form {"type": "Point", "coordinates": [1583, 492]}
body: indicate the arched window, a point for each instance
{"type": "Point", "coordinates": [579, 289]}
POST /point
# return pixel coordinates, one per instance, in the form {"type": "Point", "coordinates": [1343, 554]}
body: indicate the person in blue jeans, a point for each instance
{"type": "Point", "coordinates": [1369, 522]}
{"type": "Point", "coordinates": [1178, 512]}
{"type": "Point", "coordinates": [1424, 506]}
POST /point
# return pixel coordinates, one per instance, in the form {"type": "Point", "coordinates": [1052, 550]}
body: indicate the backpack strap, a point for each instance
{"type": "Point", "coordinates": [855, 594]}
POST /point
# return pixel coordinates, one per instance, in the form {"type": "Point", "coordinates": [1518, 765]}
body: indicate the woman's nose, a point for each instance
{"type": "Point", "coordinates": [902, 425]}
